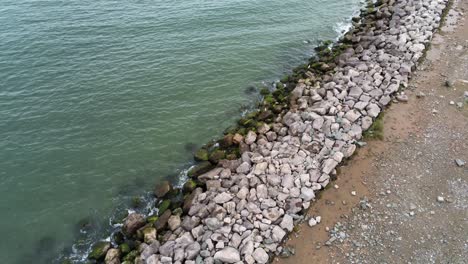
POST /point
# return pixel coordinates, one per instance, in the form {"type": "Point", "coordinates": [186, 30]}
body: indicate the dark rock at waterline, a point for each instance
{"type": "Point", "coordinates": [130, 257]}
{"type": "Point", "coordinates": [161, 223]}
{"type": "Point", "coordinates": [188, 202]}
{"type": "Point", "coordinates": [162, 189]}
{"type": "Point", "coordinates": [227, 141]}
{"type": "Point", "coordinates": [201, 155]}
{"type": "Point", "coordinates": [189, 186]}
{"type": "Point", "coordinates": [99, 250]}
{"type": "Point", "coordinates": [200, 169]}
{"type": "Point", "coordinates": [125, 248]}
{"type": "Point", "coordinates": [263, 115]}
{"type": "Point", "coordinates": [132, 223]}
{"type": "Point", "coordinates": [118, 237]}
{"type": "Point", "coordinates": [216, 156]}
{"type": "Point", "coordinates": [250, 90]}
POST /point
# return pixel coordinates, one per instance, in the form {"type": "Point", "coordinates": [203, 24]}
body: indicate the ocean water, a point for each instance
{"type": "Point", "coordinates": [99, 100]}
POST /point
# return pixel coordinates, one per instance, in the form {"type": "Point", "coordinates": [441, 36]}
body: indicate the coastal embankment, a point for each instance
{"type": "Point", "coordinates": [253, 186]}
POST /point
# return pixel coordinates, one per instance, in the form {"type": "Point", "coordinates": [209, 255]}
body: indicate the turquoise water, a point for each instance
{"type": "Point", "coordinates": [100, 99]}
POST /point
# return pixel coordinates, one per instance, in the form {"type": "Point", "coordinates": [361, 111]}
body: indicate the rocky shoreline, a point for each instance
{"type": "Point", "coordinates": [251, 187]}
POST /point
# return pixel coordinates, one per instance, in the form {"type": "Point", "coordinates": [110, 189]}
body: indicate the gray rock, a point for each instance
{"type": "Point", "coordinates": [287, 223]}
{"type": "Point", "coordinates": [460, 163]}
{"type": "Point", "coordinates": [260, 255]}
{"type": "Point", "coordinates": [307, 194]}
{"type": "Point", "coordinates": [250, 138]}
{"type": "Point", "coordinates": [192, 251]}
{"type": "Point", "coordinates": [222, 198]}
{"type": "Point", "coordinates": [167, 249]}
{"type": "Point", "coordinates": [329, 165]}
{"type": "Point", "coordinates": [227, 255]}
{"type": "Point", "coordinates": [213, 223]}
{"type": "Point", "coordinates": [277, 234]}
{"type": "Point", "coordinates": [243, 168]}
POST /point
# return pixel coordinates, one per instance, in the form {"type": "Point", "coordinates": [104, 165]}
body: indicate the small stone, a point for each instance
{"type": "Point", "coordinates": [336, 186]}
{"type": "Point", "coordinates": [402, 98]}
{"type": "Point", "coordinates": [460, 105]}
{"type": "Point", "coordinates": [440, 199]}
{"type": "Point", "coordinates": [318, 219]}
{"type": "Point", "coordinates": [451, 102]}
{"type": "Point", "coordinates": [420, 95]}
{"type": "Point", "coordinates": [353, 193]}
{"type": "Point", "coordinates": [449, 83]}
{"type": "Point", "coordinates": [460, 163]}
{"type": "Point", "coordinates": [312, 222]}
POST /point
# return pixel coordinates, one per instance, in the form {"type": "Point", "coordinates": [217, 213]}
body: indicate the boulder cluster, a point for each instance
{"type": "Point", "coordinates": [248, 205]}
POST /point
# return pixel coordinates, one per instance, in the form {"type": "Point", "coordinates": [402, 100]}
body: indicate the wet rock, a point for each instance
{"type": "Point", "coordinates": [99, 250]}
{"type": "Point", "coordinates": [132, 223]}
{"type": "Point", "coordinates": [199, 169]}
{"type": "Point", "coordinates": [162, 189]}
{"type": "Point", "coordinates": [201, 155]}
{"type": "Point", "coordinates": [161, 223]}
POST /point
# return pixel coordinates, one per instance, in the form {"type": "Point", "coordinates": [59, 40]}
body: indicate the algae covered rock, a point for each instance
{"type": "Point", "coordinates": [163, 206]}
{"type": "Point", "coordinates": [124, 248]}
{"type": "Point", "coordinates": [99, 250]}
{"type": "Point", "coordinates": [131, 256]}
{"type": "Point", "coordinates": [217, 155]}
{"type": "Point", "coordinates": [201, 155]}
{"type": "Point", "coordinates": [189, 186]}
{"type": "Point", "coordinates": [200, 169]}
{"type": "Point", "coordinates": [149, 234]}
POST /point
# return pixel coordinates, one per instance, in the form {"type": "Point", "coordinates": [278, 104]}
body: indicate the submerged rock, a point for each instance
{"type": "Point", "coordinates": [201, 155]}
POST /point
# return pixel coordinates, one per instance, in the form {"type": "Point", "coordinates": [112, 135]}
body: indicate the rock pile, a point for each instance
{"type": "Point", "coordinates": [251, 203]}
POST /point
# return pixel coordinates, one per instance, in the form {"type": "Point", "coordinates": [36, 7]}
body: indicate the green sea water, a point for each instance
{"type": "Point", "coordinates": [101, 99]}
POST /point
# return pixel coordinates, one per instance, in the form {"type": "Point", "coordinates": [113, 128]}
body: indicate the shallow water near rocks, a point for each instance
{"type": "Point", "coordinates": [99, 100]}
